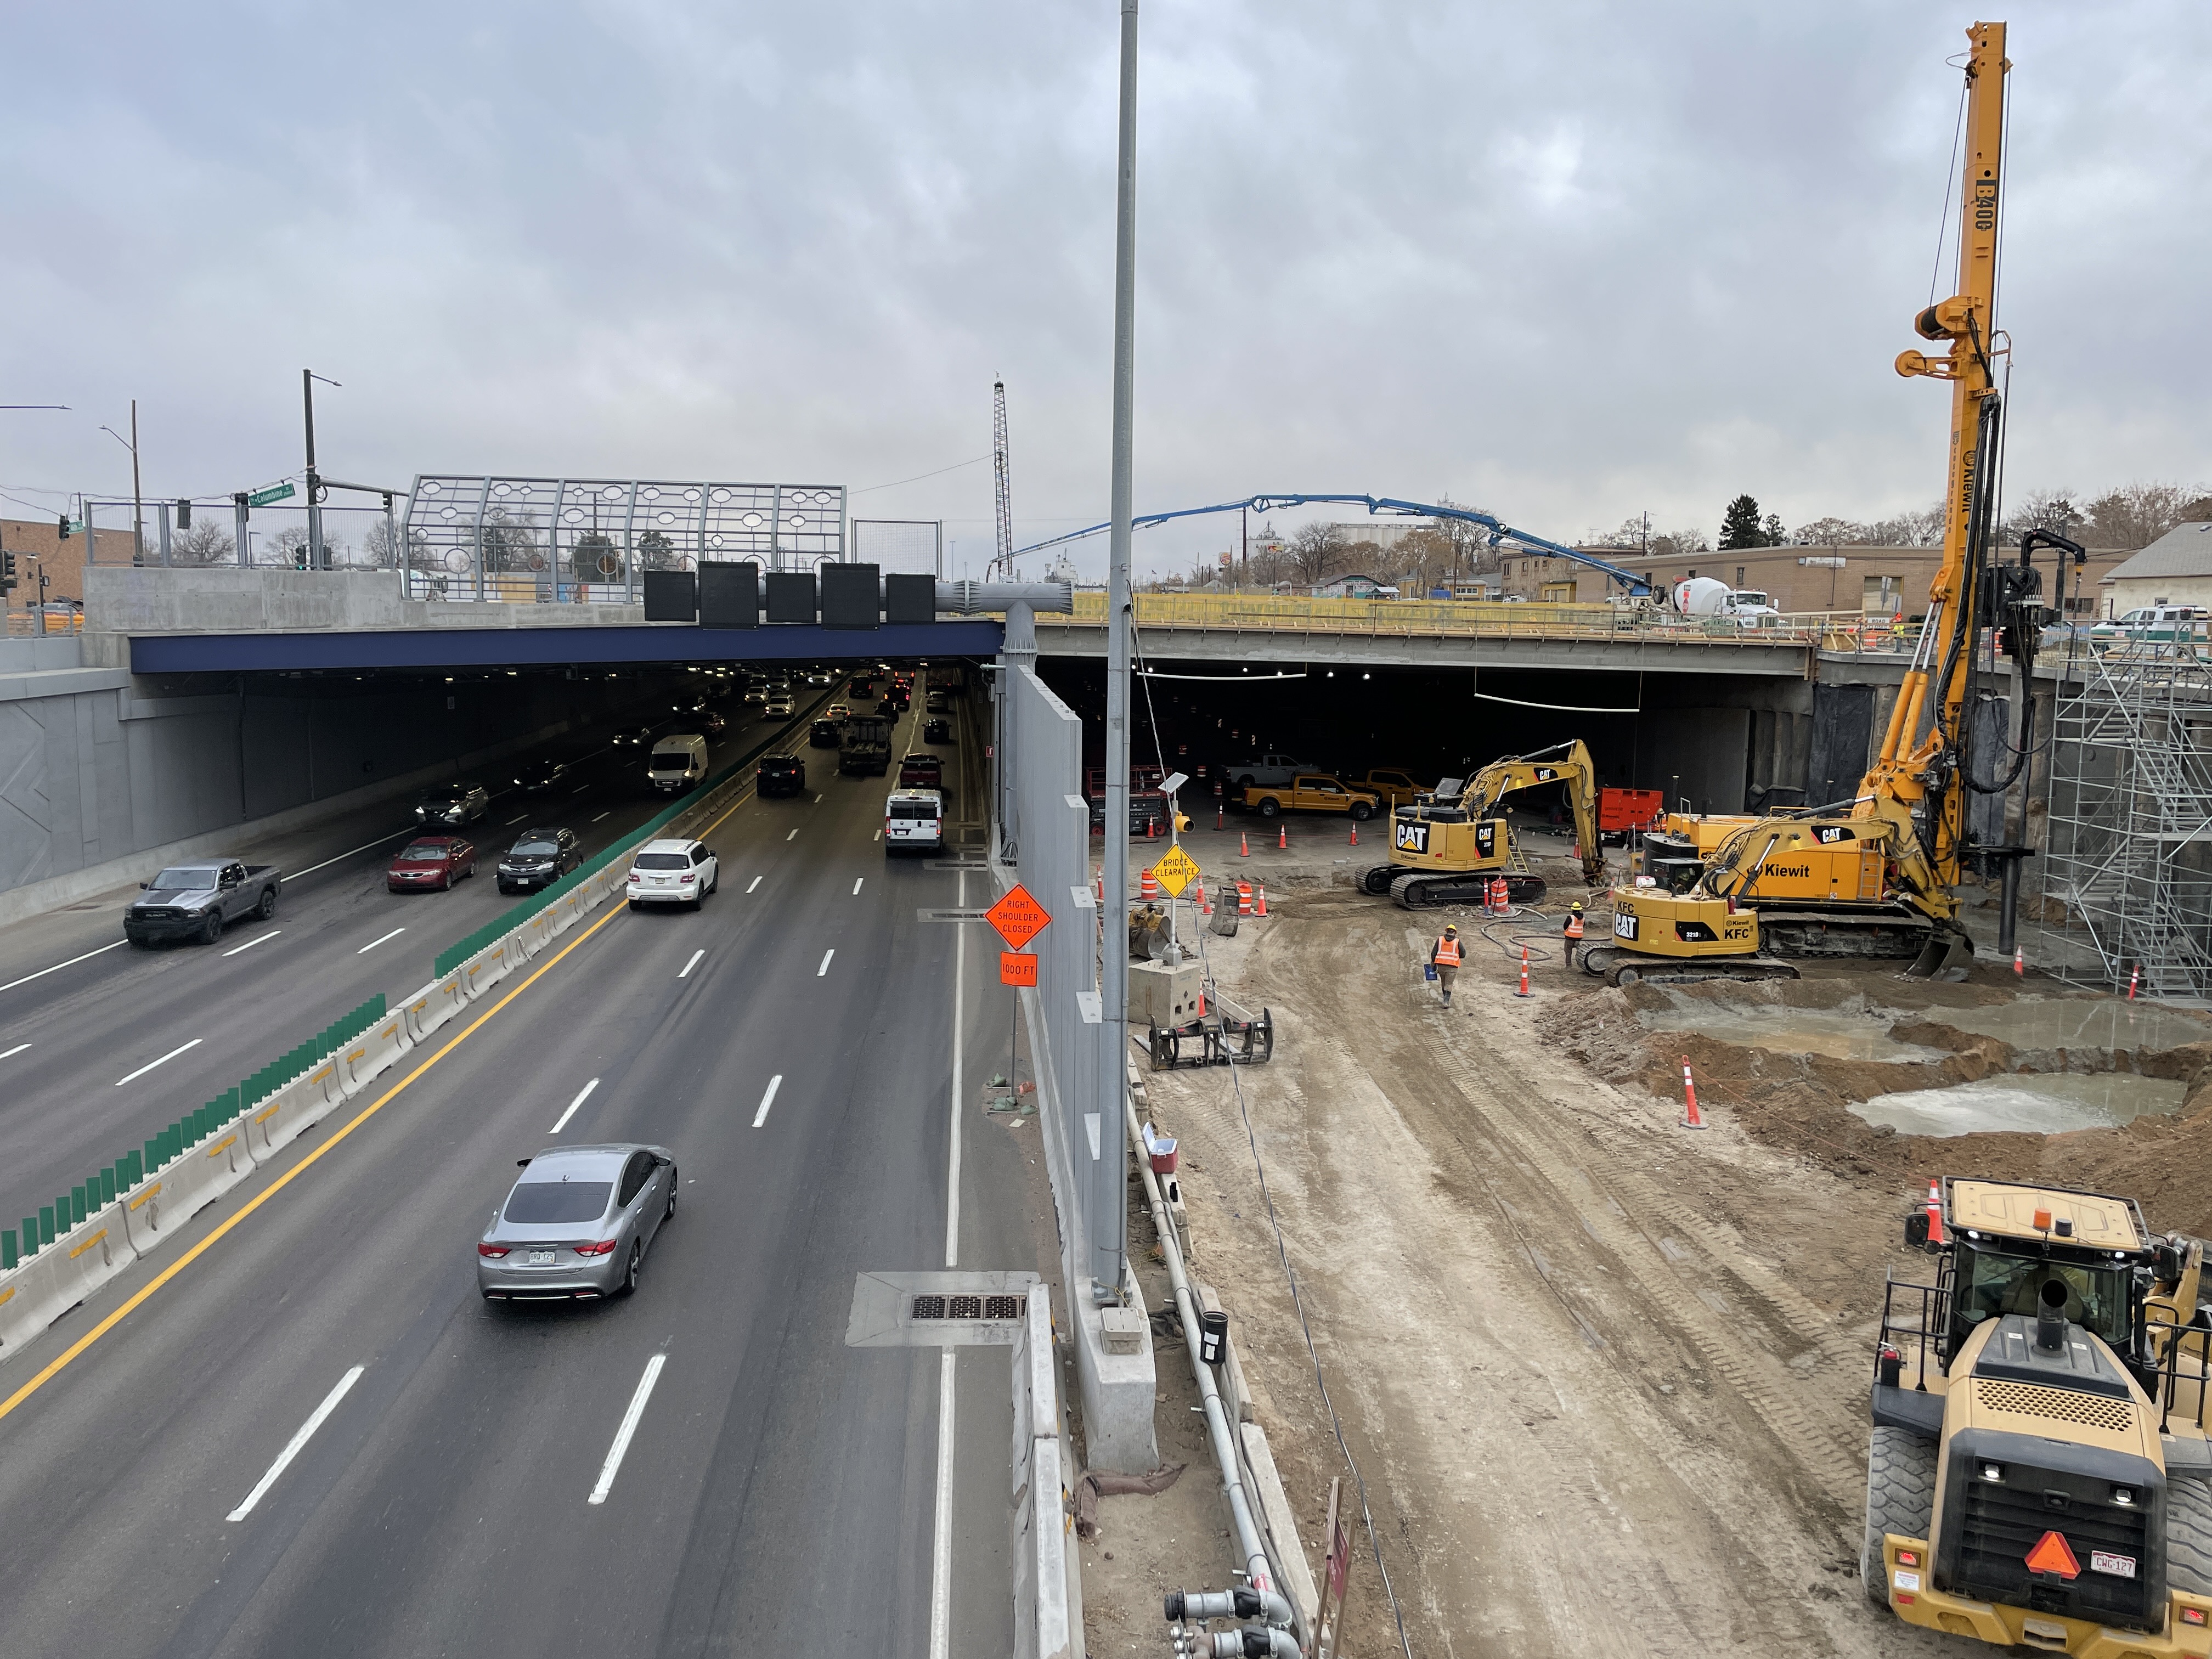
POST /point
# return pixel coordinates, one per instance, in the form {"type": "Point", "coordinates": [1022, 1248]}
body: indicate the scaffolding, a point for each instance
{"type": "Point", "coordinates": [2129, 851]}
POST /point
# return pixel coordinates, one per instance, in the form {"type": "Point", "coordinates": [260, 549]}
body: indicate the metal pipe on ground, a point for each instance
{"type": "Point", "coordinates": [1257, 1567]}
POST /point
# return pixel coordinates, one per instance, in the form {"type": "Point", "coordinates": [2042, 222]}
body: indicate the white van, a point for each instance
{"type": "Point", "coordinates": [914, 818]}
{"type": "Point", "coordinates": [678, 763]}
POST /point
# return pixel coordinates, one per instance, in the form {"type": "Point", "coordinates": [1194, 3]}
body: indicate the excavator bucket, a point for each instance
{"type": "Point", "coordinates": [1947, 956]}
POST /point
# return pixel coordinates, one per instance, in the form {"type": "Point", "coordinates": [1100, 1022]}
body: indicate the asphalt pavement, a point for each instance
{"type": "Point", "coordinates": [761, 1487]}
{"type": "Point", "coordinates": [105, 1043]}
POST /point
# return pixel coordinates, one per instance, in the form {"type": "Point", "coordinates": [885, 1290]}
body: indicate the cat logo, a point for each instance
{"type": "Point", "coordinates": [1486, 838]}
{"type": "Point", "coordinates": [1546, 773]}
{"type": "Point", "coordinates": [1413, 836]}
{"type": "Point", "coordinates": [1835, 833]}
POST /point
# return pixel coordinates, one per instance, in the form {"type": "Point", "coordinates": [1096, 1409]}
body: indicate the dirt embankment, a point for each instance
{"type": "Point", "coordinates": [1605, 1377]}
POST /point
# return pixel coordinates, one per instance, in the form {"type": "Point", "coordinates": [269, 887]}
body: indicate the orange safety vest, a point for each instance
{"type": "Point", "coordinates": [1574, 926]}
{"type": "Point", "coordinates": [1447, 953]}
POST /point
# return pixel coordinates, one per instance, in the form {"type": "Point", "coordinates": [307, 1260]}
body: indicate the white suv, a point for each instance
{"type": "Point", "coordinates": [673, 872]}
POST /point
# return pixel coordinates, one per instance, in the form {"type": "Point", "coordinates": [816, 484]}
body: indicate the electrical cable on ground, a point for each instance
{"type": "Point", "coordinates": [1282, 1250]}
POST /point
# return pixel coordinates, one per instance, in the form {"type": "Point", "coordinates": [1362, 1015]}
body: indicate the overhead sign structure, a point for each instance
{"type": "Point", "coordinates": [1019, 917]}
{"type": "Point", "coordinates": [277, 492]}
{"type": "Point", "coordinates": [1016, 968]}
{"type": "Point", "coordinates": [1175, 871]}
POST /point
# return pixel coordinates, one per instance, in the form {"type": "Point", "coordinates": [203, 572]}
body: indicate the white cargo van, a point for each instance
{"type": "Point", "coordinates": [914, 819]}
{"type": "Point", "coordinates": [678, 763]}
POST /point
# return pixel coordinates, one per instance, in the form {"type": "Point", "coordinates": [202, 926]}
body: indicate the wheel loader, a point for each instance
{"type": "Point", "coordinates": [2039, 1473]}
{"type": "Point", "coordinates": [1447, 846]}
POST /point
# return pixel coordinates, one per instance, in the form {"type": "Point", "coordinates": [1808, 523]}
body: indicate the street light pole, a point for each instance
{"type": "Point", "coordinates": [138, 501]}
{"type": "Point", "coordinates": [315, 557]}
{"type": "Point", "coordinates": [1107, 1202]}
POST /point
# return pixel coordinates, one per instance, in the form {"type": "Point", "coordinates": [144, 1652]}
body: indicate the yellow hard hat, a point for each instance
{"type": "Point", "coordinates": [1451, 927]}
{"type": "Point", "coordinates": [1577, 905]}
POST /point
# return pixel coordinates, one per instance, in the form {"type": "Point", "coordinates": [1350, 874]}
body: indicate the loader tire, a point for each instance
{"type": "Point", "coordinates": [1900, 1498]}
{"type": "Point", "coordinates": [2188, 1536]}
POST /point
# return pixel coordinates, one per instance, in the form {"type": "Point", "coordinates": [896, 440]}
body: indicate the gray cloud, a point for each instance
{"type": "Point", "coordinates": [1571, 261]}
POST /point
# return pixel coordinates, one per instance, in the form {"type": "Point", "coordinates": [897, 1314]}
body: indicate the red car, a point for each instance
{"type": "Point", "coordinates": [430, 861]}
{"type": "Point", "coordinates": [922, 771]}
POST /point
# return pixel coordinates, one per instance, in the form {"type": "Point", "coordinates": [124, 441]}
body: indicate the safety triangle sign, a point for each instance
{"type": "Point", "coordinates": [2052, 1553]}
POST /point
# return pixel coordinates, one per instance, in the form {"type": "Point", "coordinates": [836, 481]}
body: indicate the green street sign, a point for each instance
{"type": "Point", "coordinates": [282, 492]}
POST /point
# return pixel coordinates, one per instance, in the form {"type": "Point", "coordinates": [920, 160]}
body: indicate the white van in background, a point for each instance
{"type": "Point", "coordinates": [678, 763]}
{"type": "Point", "coordinates": [914, 819]}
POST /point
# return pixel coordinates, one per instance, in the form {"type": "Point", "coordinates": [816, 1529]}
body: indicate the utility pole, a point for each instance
{"type": "Point", "coordinates": [138, 501]}
{"type": "Point", "coordinates": [315, 558]}
{"type": "Point", "coordinates": [1108, 1198]}
{"type": "Point", "coordinates": [1002, 474]}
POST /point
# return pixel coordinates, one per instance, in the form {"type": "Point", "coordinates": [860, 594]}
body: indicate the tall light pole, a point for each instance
{"type": "Point", "coordinates": [308, 379]}
{"type": "Point", "coordinates": [1109, 1199]}
{"type": "Point", "coordinates": [138, 501]}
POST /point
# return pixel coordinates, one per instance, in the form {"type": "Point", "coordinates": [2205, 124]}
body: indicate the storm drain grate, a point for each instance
{"type": "Point", "coordinates": [970, 1307]}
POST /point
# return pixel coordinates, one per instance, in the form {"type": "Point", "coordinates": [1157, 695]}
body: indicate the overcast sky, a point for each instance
{"type": "Point", "coordinates": [1571, 261]}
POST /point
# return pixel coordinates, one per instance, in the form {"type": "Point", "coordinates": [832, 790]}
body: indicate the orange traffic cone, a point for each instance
{"type": "Point", "coordinates": [1283, 837]}
{"type": "Point", "coordinates": [1692, 1119]}
{"type": "Point", "coordinates": [2019, 962]}
{"type": "Point", "coordinates": [1355, 835]}
{"type": "Point", "coordinates": [1198, 896]}
{"type": "Point", "coordinates": [1099, 886]}
{"type": "Point", "coordinates": [1243, 846]}
{"type": "Point", "coordinates": [1523, 991]}
{"type": "Point", "coordinates": [1202, 1005]}
{"type": "Point", "coordinates": [1259, 905]}
{"type": "Point", "coordinates": [2135, 977]}
{"type": "Point", "coordinates": [1220, 816]}
{"type": "Point", "coordinates": [1936, 1235]}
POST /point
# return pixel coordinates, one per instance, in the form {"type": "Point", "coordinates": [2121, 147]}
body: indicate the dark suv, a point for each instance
{"type": "Point", "coordinates": [538, 859]}
{"type": "Point", "coordinates": [781, 774]}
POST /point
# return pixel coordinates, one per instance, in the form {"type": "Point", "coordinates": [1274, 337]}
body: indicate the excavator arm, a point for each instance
{"type": "Point", "coordinates": [1513, 772]}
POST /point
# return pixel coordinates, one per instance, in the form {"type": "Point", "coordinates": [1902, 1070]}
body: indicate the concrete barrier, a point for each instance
{"type": "Point", "coordinates": [1048, 1584]}
{"type": "Point", "coordinates": [157, 1206]}
{"type": "Point", "coordinates": [47, 1285]}
{"type": "Point", "coordinates": [373, 1052]}
{"type": "Point", "coordinates": [285, 1116]}
{"type": "Point", "coordinates": [433, 1005]}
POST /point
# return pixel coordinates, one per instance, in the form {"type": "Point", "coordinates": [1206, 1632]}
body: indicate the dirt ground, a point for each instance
{"type": "Point", "coordinates": [1605, 1376]}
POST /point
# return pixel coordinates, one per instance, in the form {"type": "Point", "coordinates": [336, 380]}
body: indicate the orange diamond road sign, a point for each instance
{"type": "Point", "coordinates": [1016, 968]}
{"type": "Point", "coordinates": [2052, 1554]}
{"type": "Point", "coordinates": [1019, 917]}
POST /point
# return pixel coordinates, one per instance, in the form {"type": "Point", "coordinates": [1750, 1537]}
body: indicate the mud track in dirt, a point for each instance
{"type": "Point", "coordinates": [1606, 1377]}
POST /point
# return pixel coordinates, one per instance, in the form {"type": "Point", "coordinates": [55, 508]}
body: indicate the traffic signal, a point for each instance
{"type": "Point", "coordinates": [7, 573]}
{"type": "Point", "coordinates": [65, 526]}
{"type": "Point", "coordinates": [185, 515]}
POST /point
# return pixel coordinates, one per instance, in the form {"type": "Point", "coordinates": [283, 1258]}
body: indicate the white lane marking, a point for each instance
{"type": "Point", "coordinates": [374, 943]}
{"type": "Point", "coordinates": [613, 1465]}
{"type": "Point", "coordinates": [690, 965]}
{"type": "Point", "coordinates": [857, 880]}
{"type": "Point", "coordinates": [14, 1051]}
{"type": "Point", "coordinates": [940, 1568]}
{"type": "Point", "coordinates": [823, 972]}
{"type": "Point", "coordinates": [582, 1095]}
{"type": "Point", "coordinates": [793, 834]}
{"type": "Point", "coordinates": [603, 815]}
{"type": "Point", "coordinates": [327, 863]}
{"type": "Point", "coordinates": [58, 966]}
{"type": "Point", "coordinates": [516, 819]}
{"type": "Point", "coordinates": [757, 882]}
{"type": "Point", "coordinates": [151, 1064]}
{"type": "Point", "coordinates": [959, 1012]}
{"type": "Point", "coordinates": [250, 943]}
{"type": "Point", "coordinates": [879, 836]}
{"type": "Point", "coordinates": [293, 1448]}
{"type": "Point", "coordinates": [586, 789]}
{"type": "Point", "coordinates": [817, 800]}
{"type": "Point", "coordinates": [768, 1100]}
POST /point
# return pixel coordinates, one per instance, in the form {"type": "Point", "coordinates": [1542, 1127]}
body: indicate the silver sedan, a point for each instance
{"type": "Point", "coordinates": [577, 1224]}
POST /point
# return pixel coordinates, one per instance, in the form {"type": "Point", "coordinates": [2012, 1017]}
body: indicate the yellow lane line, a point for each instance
{"type": "Point", "coordinates": [62, 1360]}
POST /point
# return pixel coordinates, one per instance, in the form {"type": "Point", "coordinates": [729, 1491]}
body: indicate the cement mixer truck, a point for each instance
{"type": "Point", "coordinates": [1705, 598]}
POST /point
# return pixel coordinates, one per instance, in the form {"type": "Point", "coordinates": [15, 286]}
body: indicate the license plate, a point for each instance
{"type": "Point", "coordinates": [541, 1258]}
{"type": "Point", "coordinates": [2119, 1566]}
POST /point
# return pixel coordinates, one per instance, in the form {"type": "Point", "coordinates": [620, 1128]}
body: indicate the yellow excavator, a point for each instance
{"type": "Point", "coordinates": [1874, 875]}
{"type": "Point", "coordinates": [1447, 846]}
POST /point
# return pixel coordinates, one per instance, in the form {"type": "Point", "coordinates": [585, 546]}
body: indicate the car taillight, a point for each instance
{"type": "Point", "coordinates": [685, 881]}
{"type": "Point", "coordinates": [495, 1251]}
{"type": "Point", "coordinates": [604, 1246]}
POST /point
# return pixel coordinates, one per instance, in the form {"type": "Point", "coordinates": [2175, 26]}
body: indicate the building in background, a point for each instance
{"type": "Point", "coordinates": [2175, 569]}
{"type": "Point", "coordinates": [1874, 581]}
{"type": "Point", "coordinates": [1352, 586]}
{"type": "Point", "coordinates": [38, 548]}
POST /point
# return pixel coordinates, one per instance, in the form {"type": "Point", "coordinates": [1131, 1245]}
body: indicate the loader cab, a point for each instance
{"type": "Point", "coordinates": [1672, 862]}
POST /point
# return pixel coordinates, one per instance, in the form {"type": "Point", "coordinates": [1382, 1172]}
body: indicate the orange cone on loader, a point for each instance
{"type": "Point", "coordinates": [1936, 1235]}
{"type": "Point", "coordinates": [1260, 905]}
{"type": "Point", "coordinates": [1523, 991]}
{"type": "Point", "coordinates": [1691, 1118]}
{"type": "Point", "coordinates": [1243, 846]}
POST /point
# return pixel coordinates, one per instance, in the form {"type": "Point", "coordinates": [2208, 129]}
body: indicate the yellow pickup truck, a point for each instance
{"type": "Point", "coordinates": [1312, 791]}
{"type": "Point", "coordinates": [1394, 784]}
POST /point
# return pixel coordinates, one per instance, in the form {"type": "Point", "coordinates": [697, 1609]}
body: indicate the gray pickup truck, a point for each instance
{"type": "Point", "coordinates": [193, 901]}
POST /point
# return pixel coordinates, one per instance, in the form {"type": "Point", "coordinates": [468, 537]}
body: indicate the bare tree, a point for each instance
{"type": "Point", "coordinates": [1315, 552]}
{"type": "Point", "coordinates": [206, 542]}
{"type": "Point", "coordinates": [288, 546]}
{"type": "Point", "coordinates": [2043, 509]}
{"type": "Point", "coordinates": [2137, 514]}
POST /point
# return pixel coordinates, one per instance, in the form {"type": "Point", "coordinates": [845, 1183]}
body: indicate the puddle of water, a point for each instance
{"type": "Point", "coordinates": [1830, 1031]}
{"type": "Point", "coordinates": [2041, 1103]}
{"type": "Point", "coordinates": [2077, 1022]}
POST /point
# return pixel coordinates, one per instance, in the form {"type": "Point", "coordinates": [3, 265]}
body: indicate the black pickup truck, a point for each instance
{"type": "Point", "coordinates": [193, 901]}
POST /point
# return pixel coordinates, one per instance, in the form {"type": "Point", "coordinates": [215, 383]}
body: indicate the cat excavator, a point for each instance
{"type": "Point", "coordinates": [1874, 874]}
{"type": "Point", "coordinates": [1446, 846]}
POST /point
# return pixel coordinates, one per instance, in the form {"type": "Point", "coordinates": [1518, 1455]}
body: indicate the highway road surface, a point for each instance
{"type": "Point", "coordinates": [303, 1431]}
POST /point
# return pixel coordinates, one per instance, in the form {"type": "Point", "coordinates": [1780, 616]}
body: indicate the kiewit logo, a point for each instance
{"type": "Point", "coordinates": [1801, 872]}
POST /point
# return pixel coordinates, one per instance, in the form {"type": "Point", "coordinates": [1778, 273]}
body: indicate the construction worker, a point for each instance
{"type": "Point", "coordinates": [1573, 928]}
{"type": "Point", "coordinates": [1445, 954]}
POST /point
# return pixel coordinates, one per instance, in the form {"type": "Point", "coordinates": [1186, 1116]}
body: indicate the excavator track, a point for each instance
{"type": "Point", "coordinates": [1807, 935]}
{"type": "Point", "coordinates": [1618, 967]}
{"type": "Point", "coordinates": [1413, 890]}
